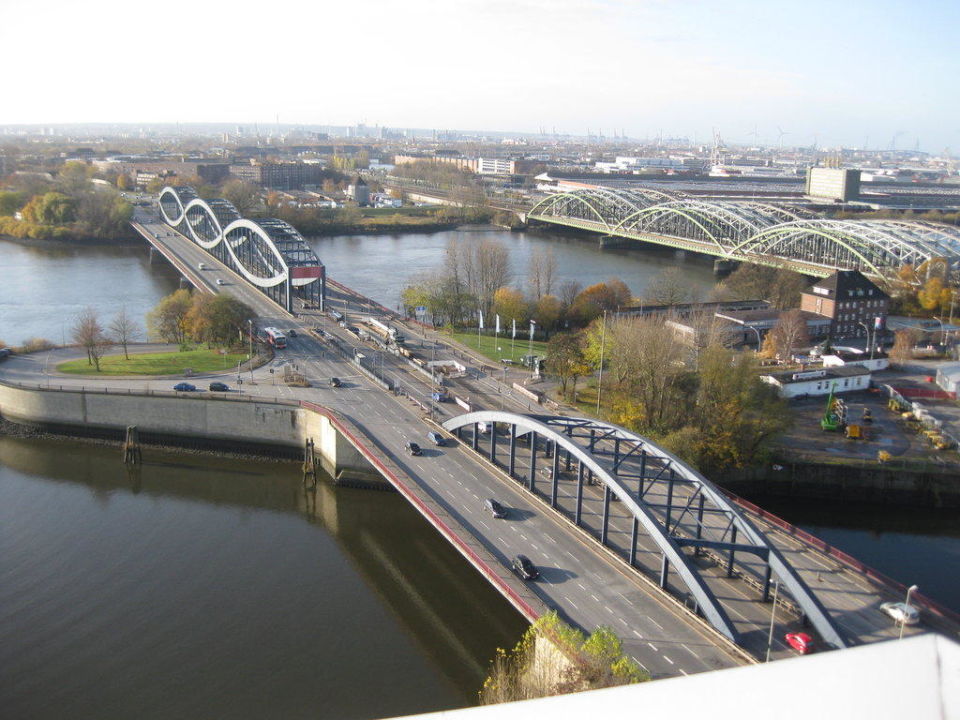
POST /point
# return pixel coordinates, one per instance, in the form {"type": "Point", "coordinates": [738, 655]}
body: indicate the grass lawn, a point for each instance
{"type": "Point", "coordinates": [488, 346]}
{"type": "Point", "coordinates": [174, 363]}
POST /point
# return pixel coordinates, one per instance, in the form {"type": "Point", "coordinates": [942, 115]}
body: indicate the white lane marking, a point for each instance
{"type": "Point", "coordinates": [595, 598]}
{"type": "Point", "coordinates": [638, 634]}
{"type": "Point", "coordinates": [570, 601]}
{"type": "Point", "coordinates": [501, 540]}
{"type": "Point", "coordinates": [655, 622]}
{"type": "Point", "coordinates": [689, 650]}
{"type": "Point", "coordinates": [653, 647]}
{"type": "Point", "coordinates": [681, 670]}
{"type": "Point", "coordinates": [627, 599]}
{"type": "Point", "coordinates": [668, 659]}
{"type": "Point", "coordinates": [523, 536]}
{"type": "Point", "coordinates": [580, 585]}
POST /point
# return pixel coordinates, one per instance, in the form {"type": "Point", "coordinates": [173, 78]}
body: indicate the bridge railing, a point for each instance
{"type": "Point", "coordinates": [928, 604]}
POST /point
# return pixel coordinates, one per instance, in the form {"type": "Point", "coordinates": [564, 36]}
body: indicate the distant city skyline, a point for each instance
{"type": "Point", "coordinates": [854, 74]}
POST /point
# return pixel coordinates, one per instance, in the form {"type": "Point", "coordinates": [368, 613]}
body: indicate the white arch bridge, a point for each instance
{"type": "Point", "coordinates": [670, 521]}
{"type": "Point", "coordinates": [755, 232]}
{"type": "Point", "coordinates": [270, 254]}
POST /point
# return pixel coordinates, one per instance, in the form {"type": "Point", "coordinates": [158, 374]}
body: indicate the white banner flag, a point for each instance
{"type": "Point", "coordinates": [481, 319]}
{"type": "Point", "coordinates": [498, 324]}
{"type": "Point", "coordinates": [532, 323]}
{"type": "Point", "coordinates": [514, 328]}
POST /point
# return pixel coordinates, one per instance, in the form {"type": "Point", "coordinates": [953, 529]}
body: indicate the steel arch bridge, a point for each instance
{"type": "Point", "coordinates": [673, 508]}
{"type": "Point", "coordinates": [754, 232]}
{"type": "Point", "coordinates": [270, 254]}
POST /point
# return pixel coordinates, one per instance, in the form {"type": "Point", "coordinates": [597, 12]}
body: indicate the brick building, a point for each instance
{"type": "Point", "coordinates": [848, 299]}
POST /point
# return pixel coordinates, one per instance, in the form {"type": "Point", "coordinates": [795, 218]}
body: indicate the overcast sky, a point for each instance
{"type": "Point", "coordinates": [848, 71]}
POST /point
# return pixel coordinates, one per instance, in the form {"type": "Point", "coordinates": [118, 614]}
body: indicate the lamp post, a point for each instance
{"type": "Point", "coordinates": [757, 332]}
{"type": "Point", "coordinates": [867, 329]}
{"type": "Point", "coordinates": [910, 591]}
{"type": "Point", "coordinates": [773, 614]}
{"type": "Point", "coordinates": [603, 338]}
{"type": "Point", "coordinates": [250, 338]}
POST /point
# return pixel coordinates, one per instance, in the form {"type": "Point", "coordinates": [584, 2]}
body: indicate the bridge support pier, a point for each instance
{"type": "Point", "coordinates": [766, 582]}
{"type": "Point", "coordinates": [664, 571]}
{"type": "Point", "coordinates": [606, 515]}
{"type": "Point", "coordinates": [532, 480]}
{"type": "Point", "coordinates": [696, 548]}
{"type": "Point", "coordinates": [577, 514]}
{"type": "Point", "coordinates": [733, 540]}
{"type": "Point", "coordinates": [475, 441]}
{"type": "Point", "coordinates": [633, 542]}
{"type": "Point", "coordinates": [493, 443]}
{"type": "Point", "coordinates": [513, 451]}
{"type": "Point", "coordinates": [669, 499]}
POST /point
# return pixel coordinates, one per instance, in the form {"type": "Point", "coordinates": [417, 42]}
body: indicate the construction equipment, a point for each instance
{"type": "Point", "coordinates": [834, 416]}
{"type": "Point", "coordinates": [854, 432]}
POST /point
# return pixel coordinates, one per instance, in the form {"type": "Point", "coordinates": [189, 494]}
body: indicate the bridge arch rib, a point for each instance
{"type": "Point", "coordinates": [695, 514]}
{"type": "Point", "coordinates": [268, 253]}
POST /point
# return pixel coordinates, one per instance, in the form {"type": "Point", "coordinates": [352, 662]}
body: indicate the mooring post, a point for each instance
{"type": "Point", "coordinates": [309, 464]}
{"type": "Point", "coordinates": [131, 446]}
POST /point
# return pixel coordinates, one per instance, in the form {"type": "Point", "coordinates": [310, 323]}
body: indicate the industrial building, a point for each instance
{"type": "Point", "coordinates": [279, 176]}
{"type": "Point", "coordinates": [836, 184]}
{"type": "Point", "coordinates": [853, 303]}
{"type": "Point", "coordinates": [840, 379]}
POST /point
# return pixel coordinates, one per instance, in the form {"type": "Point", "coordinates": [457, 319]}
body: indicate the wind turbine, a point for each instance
{"type": "Point", "coordinates": [780, 134]}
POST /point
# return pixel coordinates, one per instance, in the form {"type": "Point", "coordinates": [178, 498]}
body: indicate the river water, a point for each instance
{"type": "Point", "coordinates": [210, 587]}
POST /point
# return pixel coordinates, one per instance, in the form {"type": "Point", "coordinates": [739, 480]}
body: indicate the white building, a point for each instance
{"type": "Point", "coordinates": [819, 382]}
{"type": "Point", "coordinates": [495, 166]}
{"type": "Point", "coordinates": [948, 377]}
{"type": "Point", "coordinates": [857, 358]}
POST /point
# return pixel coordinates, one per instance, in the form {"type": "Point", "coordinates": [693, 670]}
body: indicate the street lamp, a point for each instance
{"type": "Point", "coordinates": [751, 327]}
{"type": "Point", "coordinates": [603, 338]}
{"type": "Point", "coordinates": [864, 325]}
{"type": "Point", "coordinates": [903, 621]}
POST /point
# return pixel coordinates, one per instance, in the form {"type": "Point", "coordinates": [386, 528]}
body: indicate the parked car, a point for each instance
{"type": "Point", "coordinates": [185, 387]}
{"type": "Point", "coordinates": [413, 448]}
{"type": "Point", "coordinates": [218, 387]}
{"type": "Point", "coordinates": [524, 568]}
{"type": "Point", "coordinates": [335, 382]}
{"type": "Point", "coordinates": [495, 508]}
{"type": "Point", "coordinates": [436, 438]}
{"type": "Point", "coordinates": [901, 612]}
{"type": "Point", "coordinates": [219, 281]}
{"type": "Point", "coordinates": [801, 642]}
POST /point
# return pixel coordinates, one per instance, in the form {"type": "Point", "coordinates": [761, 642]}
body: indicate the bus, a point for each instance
{"type": "Point", "coordinates": [275, 337]}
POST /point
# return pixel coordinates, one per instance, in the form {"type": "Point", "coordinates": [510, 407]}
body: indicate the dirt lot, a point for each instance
{"type": "Point", "coordinates": [886, 432]}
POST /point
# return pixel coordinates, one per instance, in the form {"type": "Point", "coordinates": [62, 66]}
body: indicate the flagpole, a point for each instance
{"type": "Point", "coordinates": [513, 340]}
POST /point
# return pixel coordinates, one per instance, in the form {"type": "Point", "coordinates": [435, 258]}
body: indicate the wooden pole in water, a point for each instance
{"type": "Point", "coordinates": [131, 446]}
{"type": "Point", "coordinates": [309, 464]}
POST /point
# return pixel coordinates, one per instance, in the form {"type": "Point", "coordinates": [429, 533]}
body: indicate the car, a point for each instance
{"type": "Point", "coordinates": [335, 382]}
{"type": "Point", "coordinates": [5, 353]}
{"type": "Point", "coordinates": [901, 612]}
{"type": "Point", "coordinates": [201, 266]}
{"type": "Point", "coordinates": [218, 387]}
{"type": "Point", "coordinates": [495, 508]}
{"type": "Point", "coordinates": [801, 642]}
{"type": "Point", "coordinates": [413, 448]}
{"type": "Point", "coordinates": [436, 438]}
{"type": "Point", "coordinates": [185, 387]}
{"type": "Point", "coordinates": [219, 281]}
{"type": "Point", "coordinates": [291, 332]}
{"type": "Point", "coordinates": [320, 331]}
{"type": "Point", "coordinates": [524, 568]}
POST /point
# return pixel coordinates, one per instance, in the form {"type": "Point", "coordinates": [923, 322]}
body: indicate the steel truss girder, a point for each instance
{"type": "Point", "coordinates": [558, 429]}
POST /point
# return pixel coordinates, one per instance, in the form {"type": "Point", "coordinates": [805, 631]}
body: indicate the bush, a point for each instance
{"type": "Point", "coordinates": [36, 345]}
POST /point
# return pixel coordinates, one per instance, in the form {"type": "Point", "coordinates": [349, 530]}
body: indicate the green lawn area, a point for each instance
{"type": "Point", "coordinates": [174, 363]}
{"type": "Point", "coordinates": [488, 345]}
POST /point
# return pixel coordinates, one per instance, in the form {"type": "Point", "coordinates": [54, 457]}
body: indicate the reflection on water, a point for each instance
{"type": "Point", "coordinates": [202, 587]}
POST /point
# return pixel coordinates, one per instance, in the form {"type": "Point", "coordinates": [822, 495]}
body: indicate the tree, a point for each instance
{"type": "Point", "coordinates": [244, 196]}
{"type": "Point", "coordinates": [125, 330]}
{"type": "Point", "coordinates": [548, 312]}
{"type": "Point", "coordinates": [510, 304]}
{"type": "Point", "coordinates": [777, 285]}
{"type": "Point", "coordinates": [124, 182]}
{"type": "Point", "coordinates": [543, 269]}
{"type": "Point", "coordinates": [934, 295]}
{"type": "Point", "coordinates": [11, 201]}
{"type": "Point", "coordinates": [569, 289]}
{"type": "Point", "coordinates": [88, 333]}
{"type": "Point", "coordinates": [566, 360]}
{"type": "Point", "coordinates": [217, 319]}
{"type": "Point", "coordinates": [789, 334]}
{"type": "Point", "coordinates": [52, 208]}
{"type": "Point", "coordinates": [667, 287]}
{"type": "Point", "coordinates": [167, 320]}
{"type": "Point", "coordinates": [903, 344]}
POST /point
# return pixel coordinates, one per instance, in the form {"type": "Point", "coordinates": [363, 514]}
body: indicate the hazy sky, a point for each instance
{"type": "Point", "coordinates": [844, 70]}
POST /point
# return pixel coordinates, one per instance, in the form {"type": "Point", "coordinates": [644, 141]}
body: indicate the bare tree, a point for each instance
{"type": "Point", "coordinates": [903, 343]}
{"type": "Point", "coordinates": [789, 334]}
{"type": "Point", "coordinates": [485, 268]}
{"type": "Point", "coordinates": [88, 333]}
{"type": "Point", "coordinates": [667, 287]}
{"type": "Point", "coordinates": [125, 330]}
{"type": "Point", "coordinates": [569, 289]}
{"type": "Point", "coordinates": [543, 269]}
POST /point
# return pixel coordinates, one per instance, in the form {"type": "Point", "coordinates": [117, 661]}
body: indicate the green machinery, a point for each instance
{"type": "Point", "coordinates": [835, 414]}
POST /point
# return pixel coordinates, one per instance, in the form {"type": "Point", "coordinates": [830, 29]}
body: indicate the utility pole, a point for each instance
{"type": "Point", "coordinates": [603, 337]}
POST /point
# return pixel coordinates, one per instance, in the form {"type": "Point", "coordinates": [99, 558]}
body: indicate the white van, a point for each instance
{"type": "Point", "coordinates": [202, 266]}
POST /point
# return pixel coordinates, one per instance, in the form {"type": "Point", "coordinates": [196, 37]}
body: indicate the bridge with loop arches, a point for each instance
{"type": "Point", "coordinates": [671, 522]}
{"type": "Point", "coordinates": [269, 254]}
{"type": "Point", "coordinates": [756, 232]}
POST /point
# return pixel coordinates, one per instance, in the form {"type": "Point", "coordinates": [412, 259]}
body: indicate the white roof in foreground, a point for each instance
{"type": "Point", "coordinates": [917, 678]}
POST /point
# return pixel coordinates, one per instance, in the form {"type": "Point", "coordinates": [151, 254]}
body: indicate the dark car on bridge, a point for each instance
{"type": "Point", "coordinates": [185, 387]}
{"type": "Point", "coordinates": [413, 448]}
{"type": "Point", "coordinates": [495, 508]}
{"type": "Point", "coordinates": [335, 382]}
{"type": "Point", "coordinates": [524, 568]}
{"type": "Point", "coordinates": [218, 387]}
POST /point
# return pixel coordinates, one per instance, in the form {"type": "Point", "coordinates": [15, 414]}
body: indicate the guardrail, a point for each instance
{"type": "Point", "coordinates": [932, 606]}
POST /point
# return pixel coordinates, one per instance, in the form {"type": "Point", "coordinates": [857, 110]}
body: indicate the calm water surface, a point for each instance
{"type": "Point", "coordinates": [208, 587]}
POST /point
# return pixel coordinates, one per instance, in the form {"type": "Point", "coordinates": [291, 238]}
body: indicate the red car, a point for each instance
{"type": "Point", "coordinates": [801, 642]}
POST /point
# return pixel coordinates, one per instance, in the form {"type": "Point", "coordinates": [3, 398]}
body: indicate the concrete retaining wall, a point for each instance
{"type": "Point", "coordinates": [233, 422]}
